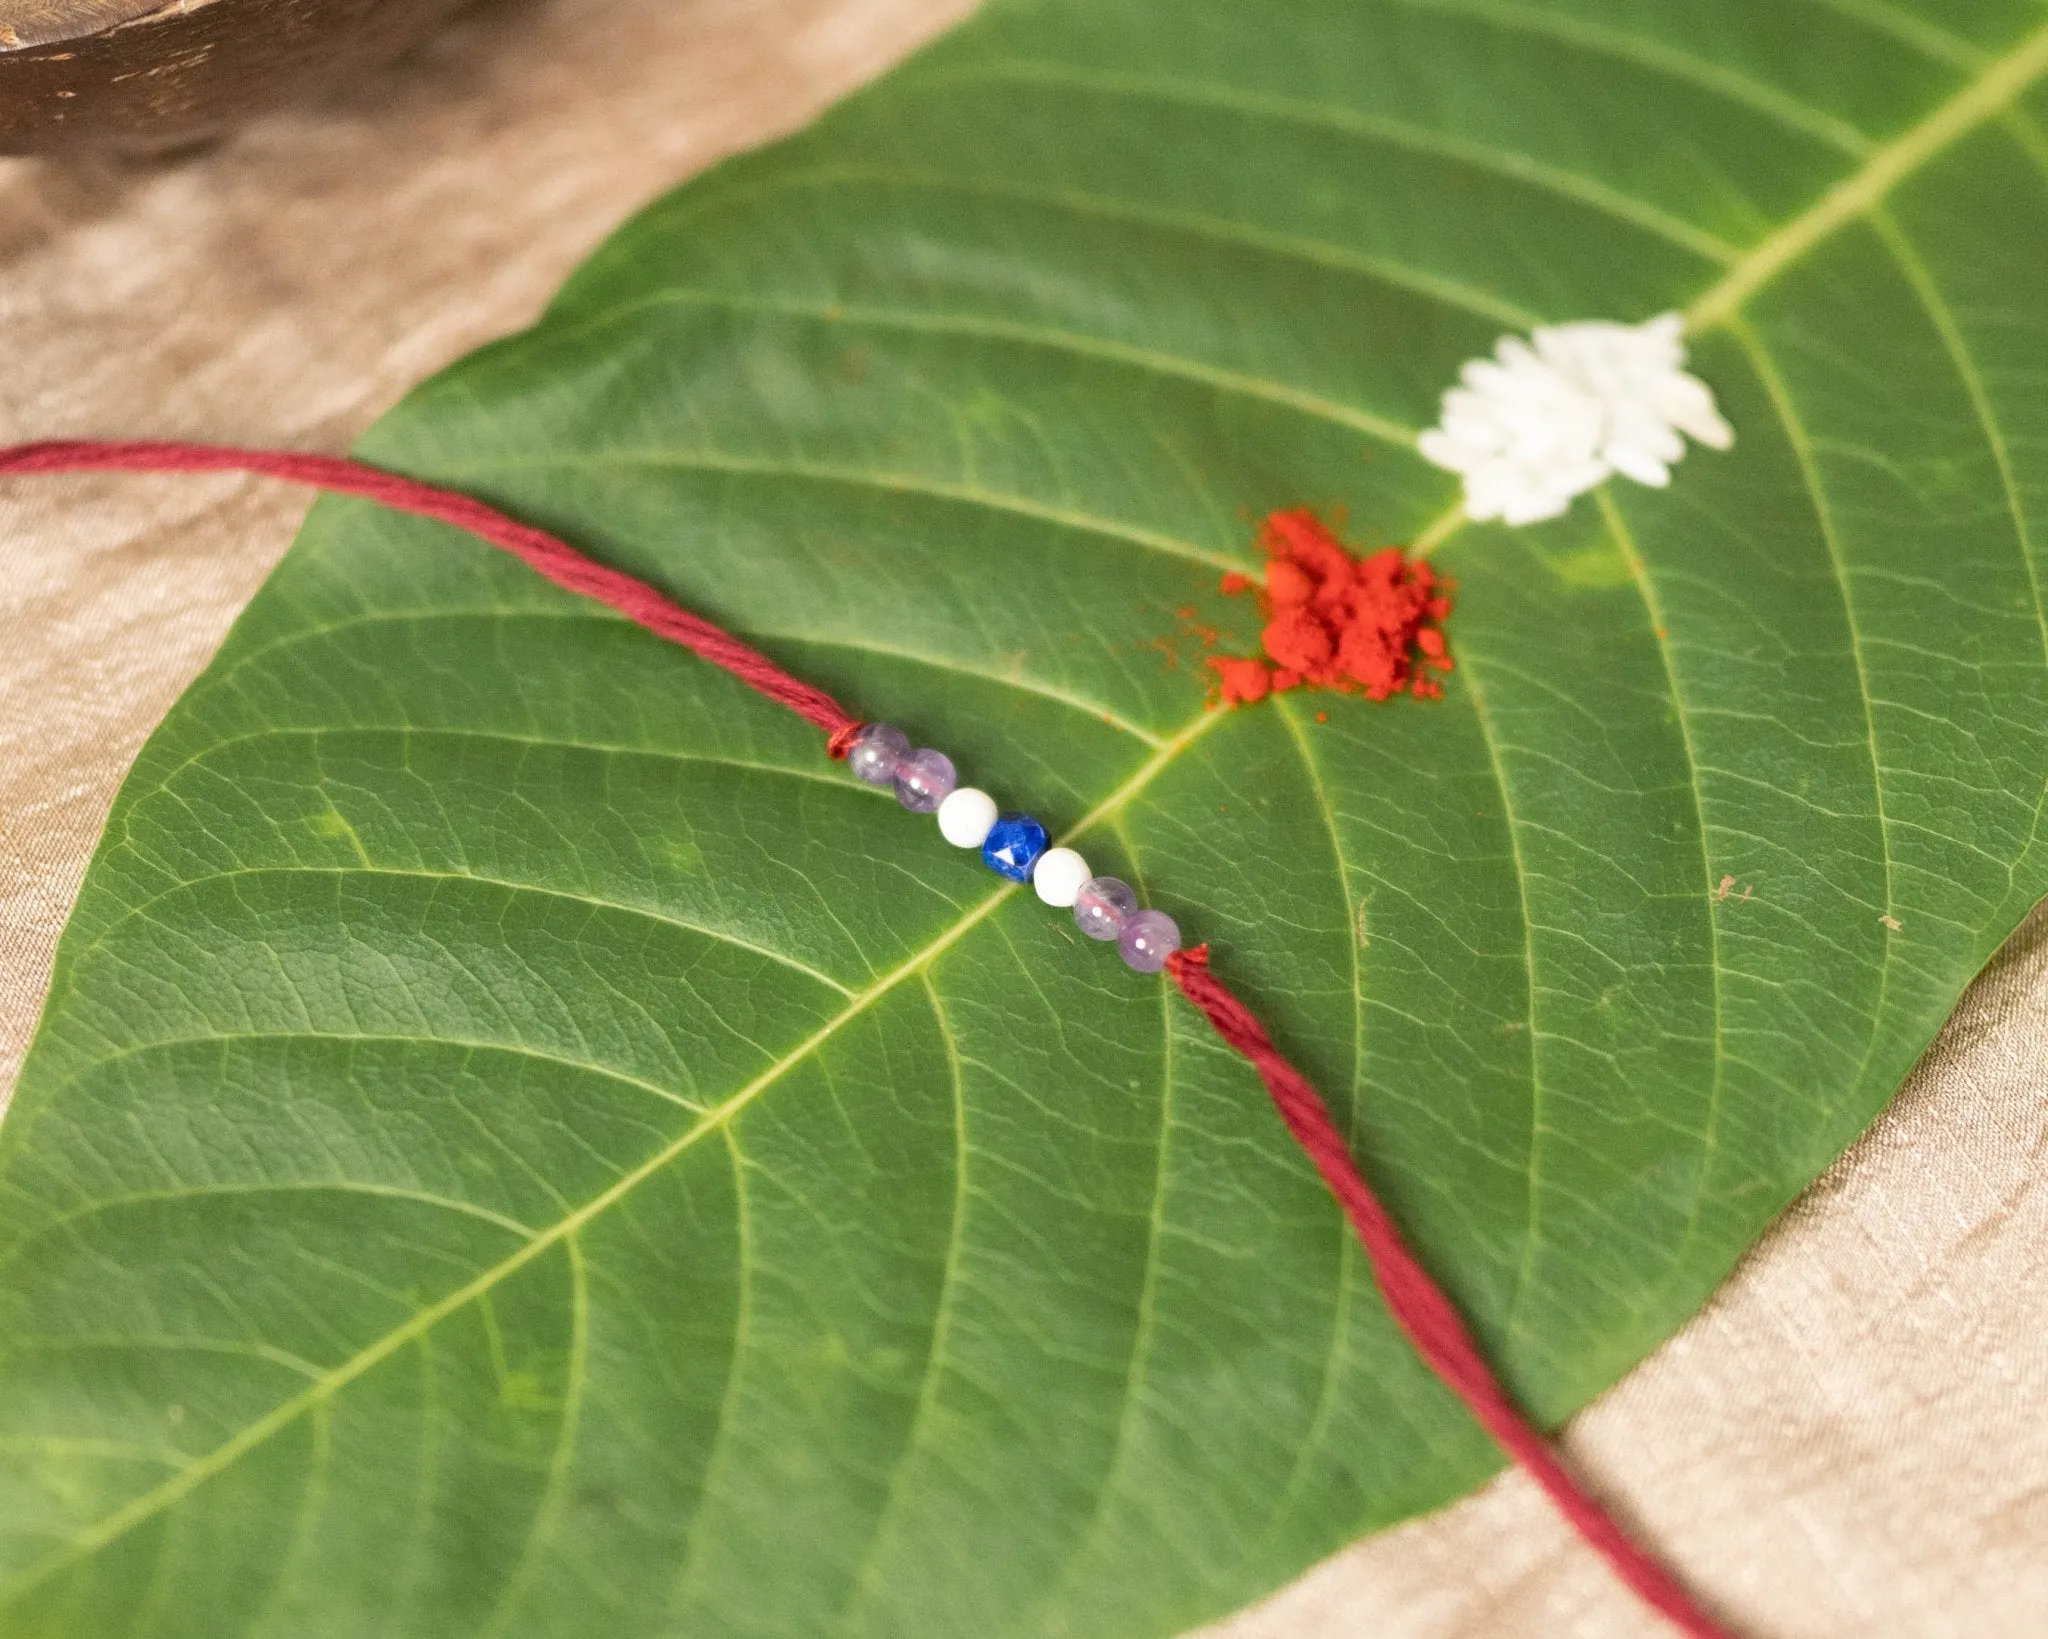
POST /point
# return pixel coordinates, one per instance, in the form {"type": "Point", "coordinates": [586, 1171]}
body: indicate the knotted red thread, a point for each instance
{"type": "Point", "coordinates": [1421, 1308]}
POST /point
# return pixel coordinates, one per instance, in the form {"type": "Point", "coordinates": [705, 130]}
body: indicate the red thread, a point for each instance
{"type": "Point", "coordinates": [1422, 1309]}
{"type": "Point", "coordinates": [554, 558]}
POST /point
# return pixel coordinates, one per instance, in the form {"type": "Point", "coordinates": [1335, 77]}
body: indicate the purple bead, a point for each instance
{"type": "Point", "coordinates": [925, 779]}
{"type": "Point", "coordinates": [876, 753]}
{"type": "Point", "coordinates": [1102, 907]}
{"type": "Point", "coordinates": [1147, 939]}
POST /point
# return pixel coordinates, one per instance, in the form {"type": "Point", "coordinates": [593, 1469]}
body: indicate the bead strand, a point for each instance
{"type": "Point", "coordinates": [1014, 846]}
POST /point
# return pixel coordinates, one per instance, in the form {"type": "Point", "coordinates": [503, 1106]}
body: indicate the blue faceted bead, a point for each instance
{"type": "Point", "coordinates": [1013, 846]}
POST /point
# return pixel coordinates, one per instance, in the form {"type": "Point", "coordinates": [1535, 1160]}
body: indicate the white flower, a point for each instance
{"type": "Point", "coordinates": [1537, 424]}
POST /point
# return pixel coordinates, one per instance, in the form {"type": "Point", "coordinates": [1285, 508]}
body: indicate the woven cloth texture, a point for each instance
{"type": "Point", "coordinates": [1852, 1440]}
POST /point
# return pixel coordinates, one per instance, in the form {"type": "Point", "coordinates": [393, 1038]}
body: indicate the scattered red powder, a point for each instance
{"type": "Point", "coordinates": [1370, 626]}
{"type": "Point", "coordinates": [1245, 680]}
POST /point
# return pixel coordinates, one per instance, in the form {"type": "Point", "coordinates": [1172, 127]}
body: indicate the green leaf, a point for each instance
{"type": "Point", "coordinates": [521, 1145]}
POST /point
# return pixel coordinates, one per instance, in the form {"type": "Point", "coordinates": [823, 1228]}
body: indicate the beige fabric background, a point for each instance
{"type": "Point", "coordinates": [1851, 1441]}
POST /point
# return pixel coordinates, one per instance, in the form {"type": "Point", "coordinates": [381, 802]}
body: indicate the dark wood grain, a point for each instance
{"type": "Point", "coordinates": [46, 22]}
{"type": "Point", "coordinates": [143, 75]}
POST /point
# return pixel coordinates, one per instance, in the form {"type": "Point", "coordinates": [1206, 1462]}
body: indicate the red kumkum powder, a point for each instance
{"type": "Point", "coordinates": [1370, 626]}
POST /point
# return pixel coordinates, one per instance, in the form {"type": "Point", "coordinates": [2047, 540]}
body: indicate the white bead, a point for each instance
{"type": "Point", "coordinates": [966, 817]}
{"type": "Point", "coordinates": [1058, 876]}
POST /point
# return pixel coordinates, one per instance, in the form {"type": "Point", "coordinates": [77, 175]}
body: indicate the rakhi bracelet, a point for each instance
{"type": "Point", "coordinates": [1016, 847]}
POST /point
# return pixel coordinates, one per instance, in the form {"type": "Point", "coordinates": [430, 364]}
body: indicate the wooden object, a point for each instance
{"type": "Point", "coordinates": [148, 75]}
